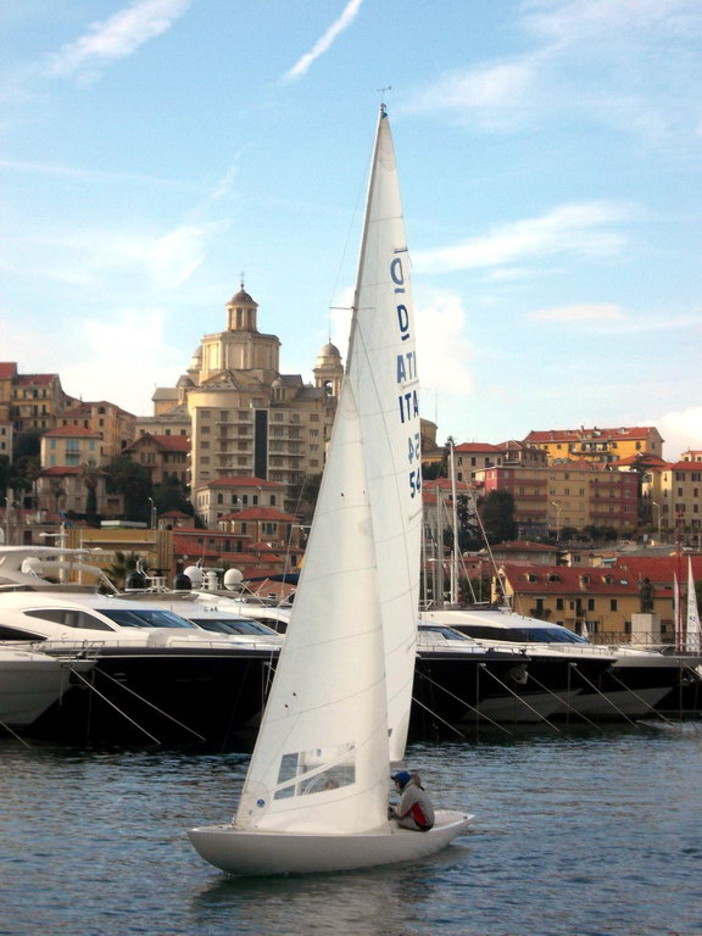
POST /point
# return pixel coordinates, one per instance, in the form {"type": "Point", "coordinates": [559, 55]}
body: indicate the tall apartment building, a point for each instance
{"type": "Point", "coordinates": [549, 499]}
{"type": "Point", "coordinates": [596, 444]}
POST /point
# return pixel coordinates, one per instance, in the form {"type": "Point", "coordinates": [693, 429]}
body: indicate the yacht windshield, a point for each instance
{"type": "Point", "coordinates": [445, 632]}
{"type": "Point", "coordinates": [232, 625]}
{"type": "Point", "coordinates": [523, 634]}
{"type": "Point", "coordinates": [146, 617]}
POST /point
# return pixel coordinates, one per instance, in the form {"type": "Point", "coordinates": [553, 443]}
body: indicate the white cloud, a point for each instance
{"type": "Point", "coordinates": [323, 44]}
{"type": "Point", "coordinates": [574, 22]}
{"type": "Point", "coordinates": [120, 357]}
{"type": "Point", "coordinates": [174, 257]}
{"type": "Point", "coordinates": [85, 257]}
{"type": "Point", "coordinates": [681, 430]}
{"type": "Point", "coordinates": [573, 49]}
{"type": "Point", "coordinates": [497, 95]}
{"type": "Point", "coordinates": [573, 228]}
{"type": "Point", "coordinates": [123, 359]}
{"type": "Point", "coordinates": [117, 37]}
{"type": "Point", "coordinates": [445, 354]}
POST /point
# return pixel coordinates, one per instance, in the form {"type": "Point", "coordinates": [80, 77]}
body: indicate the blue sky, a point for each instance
{"type": "Point", "coordinates": [549, 155]}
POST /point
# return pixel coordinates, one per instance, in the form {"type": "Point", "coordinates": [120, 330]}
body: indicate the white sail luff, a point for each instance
{"type": "Point", "coordinates": [382, 367]}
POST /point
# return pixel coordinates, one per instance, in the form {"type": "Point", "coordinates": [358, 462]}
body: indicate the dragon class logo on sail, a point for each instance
{"type": "Point", "coordinates": [408, 400]}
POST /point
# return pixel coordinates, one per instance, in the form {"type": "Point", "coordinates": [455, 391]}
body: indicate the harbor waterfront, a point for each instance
{"type": "Point", "coordinates": [593, 833]}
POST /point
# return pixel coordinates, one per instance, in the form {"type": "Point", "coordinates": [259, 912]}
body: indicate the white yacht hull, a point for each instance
{"type": "Point", "coordinates": [244, 852]}
{"type": "Point", "coordinates": [30, 683]}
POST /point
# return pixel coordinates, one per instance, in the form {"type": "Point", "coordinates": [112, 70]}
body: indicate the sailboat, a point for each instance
{"type": "Point", "coordinates": [315, 796]}
{"type": "Point", "coordinates": [692, 635]}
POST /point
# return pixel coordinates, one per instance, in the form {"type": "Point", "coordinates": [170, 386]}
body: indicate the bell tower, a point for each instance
{"type": "Point", "coordinates": [241, 312]}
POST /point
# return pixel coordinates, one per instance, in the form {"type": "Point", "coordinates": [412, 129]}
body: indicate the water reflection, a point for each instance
{"type": "Point", "coordinates": [391, 901]}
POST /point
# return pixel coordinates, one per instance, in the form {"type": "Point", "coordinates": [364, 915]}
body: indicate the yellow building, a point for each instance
{"type": "Point", "coordinates": [164, 457]}
{"type": "Point", "coordinates": [31, 401]}
{"type": "Point", "coordinates": [672, 493]}
{"type": "Point", "coordinates": [552, 499]}
{"type": "Point", "coordinates": [115, 426]}
{"type": "Point", "coordinates": [596, 444]}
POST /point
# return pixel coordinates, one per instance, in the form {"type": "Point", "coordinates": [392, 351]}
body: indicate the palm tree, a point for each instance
{"type": "Point", "coordinates": [90, 475]}
{"type": "Point", "coordinates": [124, 564]}
{"type": "Point", "coordinates": [57, 492]}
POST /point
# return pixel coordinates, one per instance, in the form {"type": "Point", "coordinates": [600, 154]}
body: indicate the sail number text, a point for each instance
{"type": "Point", "coordinates": [407, 399]}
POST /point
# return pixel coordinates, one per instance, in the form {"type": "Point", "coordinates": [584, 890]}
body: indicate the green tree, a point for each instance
{"type": "Point", "coordinates": [498, 516]}
{"type": "Point", "coordinates": [171, 494]}
{"type": "Point", "coordinates": [305, 496]}
{"type": "Point", "coordinates": [27, 443]}
{"type": "Point", "coordinates": [132, 481]}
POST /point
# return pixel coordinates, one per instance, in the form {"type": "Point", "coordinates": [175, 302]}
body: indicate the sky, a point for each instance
{"type": "Point", "coordinates": [156, 153]}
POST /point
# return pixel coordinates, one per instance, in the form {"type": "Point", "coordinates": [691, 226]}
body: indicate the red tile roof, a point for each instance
{"type": "Point", "coordinates": [61, 470]}
{"type": "Point", "coordinates": [32, 380]}
{"type": "Point", "coordinates": [659, 569]}
{"type": "Point", "coordinates": [681, 466]}
{"type": "Point", "coordinates": [573, 435]}
{"type": "Point", "coordinates": [445, 486]}
{"type": "Point", "coordinates": [8, 369]}
{"type": "Point", "coordinates": [477, 447]}
{"type": "Point", "coordinates": [524, 546]}
{"type": "Point", "coordinates": [72, 431]}
{"type": "Point", "coordinates": [564, 580]}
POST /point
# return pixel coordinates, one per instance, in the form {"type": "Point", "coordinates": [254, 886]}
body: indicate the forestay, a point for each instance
{"type": "Point", "coordinates": [382, 368]}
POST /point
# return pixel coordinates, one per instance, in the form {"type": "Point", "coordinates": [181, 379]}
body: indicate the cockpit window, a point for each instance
{"type": "Point", "coordinates": [232, 625]}
{"type": "Point", "coordinates": [69, 617]}
{"type": "Point", "coordinates": [523, 634]}
{"type": "Point", "coordinates": [146, 617]}
{"type": "Point", "coordinates": [446, 632]}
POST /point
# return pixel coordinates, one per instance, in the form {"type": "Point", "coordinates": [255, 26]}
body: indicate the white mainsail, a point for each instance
{"type": "Point", "coordinates": [321, 760]}
{"type": "Point", "coordinates": [382, 368]}
{"type": "Point", "coordinates": [692, 638]}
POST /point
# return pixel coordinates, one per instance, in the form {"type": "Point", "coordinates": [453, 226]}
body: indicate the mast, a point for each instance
{"type": "Point", "coordinates": [382, 370]}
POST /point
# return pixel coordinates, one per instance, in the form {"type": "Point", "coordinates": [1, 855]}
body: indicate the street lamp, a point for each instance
{"type": "Point", "coordinates": [559, 508]}
{"type": "Point", "coordinates": [153, 513]}
{"type": "Point", "coordinates": [658, 508]}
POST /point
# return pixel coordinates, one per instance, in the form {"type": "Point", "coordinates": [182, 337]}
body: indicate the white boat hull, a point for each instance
{"type": "Point", "coordinates": [30, 683]}
{"type": "Point", "coordinates": [244, 852]}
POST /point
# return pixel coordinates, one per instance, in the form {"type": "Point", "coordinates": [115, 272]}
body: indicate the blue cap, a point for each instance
{"type": "Point", "coordinates": [403, 777]}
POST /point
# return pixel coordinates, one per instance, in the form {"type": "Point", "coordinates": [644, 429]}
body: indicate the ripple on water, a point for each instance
{"type": "Point", "coordinates": [597, 835]}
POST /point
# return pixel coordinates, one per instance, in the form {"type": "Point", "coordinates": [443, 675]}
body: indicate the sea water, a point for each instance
{"type": "Point", "coordinates": [573, 836]}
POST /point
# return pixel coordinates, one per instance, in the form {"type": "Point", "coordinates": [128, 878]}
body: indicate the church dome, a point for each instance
{"type": "Point", "coordinates": [184, 381]}
{"type": "Point", "coordinates": [242, 298]}
{"type": "Point", "coordinates": [328, 355]}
